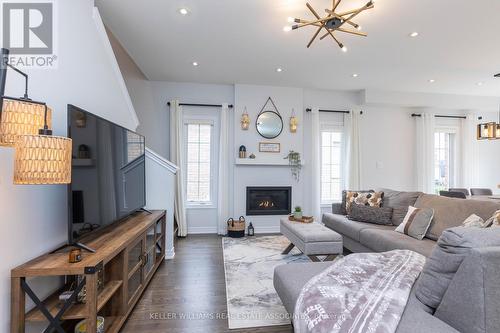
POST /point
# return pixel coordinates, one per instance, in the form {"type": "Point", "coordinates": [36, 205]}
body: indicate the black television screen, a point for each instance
{"type": "Point", "coordinates": [108, 173]}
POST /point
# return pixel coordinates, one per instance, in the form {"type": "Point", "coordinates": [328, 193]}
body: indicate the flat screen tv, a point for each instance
{"type": "Point", "coordinates": [108, 174]}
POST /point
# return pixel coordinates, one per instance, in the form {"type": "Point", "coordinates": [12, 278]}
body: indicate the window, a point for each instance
{"type": "Point", "coordinates": [444, 160]}
{"type": "Point", "coordinates": [135, 146]}
{"type": "Point", "coordinates": [198, 161]}
{"type": "Point", "coordinates": [331, 165]}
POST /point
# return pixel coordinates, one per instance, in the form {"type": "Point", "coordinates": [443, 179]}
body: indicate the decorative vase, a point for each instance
{"type": "Point", "coordinates": [297, 215]}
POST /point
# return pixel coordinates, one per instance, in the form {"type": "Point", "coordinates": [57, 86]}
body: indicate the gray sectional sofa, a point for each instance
{"type": "Point", "coordinates": [369, 237]}
{"type": "Point", "coordinates": [470, 304]}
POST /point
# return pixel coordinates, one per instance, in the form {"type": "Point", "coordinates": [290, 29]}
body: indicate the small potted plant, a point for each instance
{"type": "Point", "coordinates": [297, 214]}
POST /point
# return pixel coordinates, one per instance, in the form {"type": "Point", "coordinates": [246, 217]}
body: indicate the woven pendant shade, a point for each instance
{"type": "Point", "coordinates": [21, 118]}
{"type": "Point", "coordinates": [42, 159]}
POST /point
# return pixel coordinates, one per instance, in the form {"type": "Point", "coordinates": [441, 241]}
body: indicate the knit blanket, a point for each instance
{"type": "Point", "coordinates": [363, 292]}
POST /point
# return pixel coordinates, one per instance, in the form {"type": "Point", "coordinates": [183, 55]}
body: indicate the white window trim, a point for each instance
{"type": "Point", "coordinates": [212, 121]}
{"type": "Point", "coordinates": [334, 126]}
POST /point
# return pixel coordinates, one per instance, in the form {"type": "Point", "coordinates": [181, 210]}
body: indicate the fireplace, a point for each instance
{"type": "Point", "coordinates": [269, 200]}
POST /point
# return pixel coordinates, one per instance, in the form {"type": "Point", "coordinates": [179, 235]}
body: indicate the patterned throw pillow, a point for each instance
{"type": "Point", "coordinates": [416, 222]}
{"type": "Point", "coordinates": [377, 215]}
{"type": "Point", "coordinates": [478, 222]}
{"type": "Point", "coordinates": [344, 199]}
{"type": "Point", "coordinates": [474, 221]}
{"type": "Point", "coordinates": [372, 199]}
{"type": "Point", "coordinates": [494, 221]}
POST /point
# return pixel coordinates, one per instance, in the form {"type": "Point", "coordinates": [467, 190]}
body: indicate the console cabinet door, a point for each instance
{"type": "Point", "coordinates": [135, 268]}
{"type": "Point", "coordinates": [149, 254]}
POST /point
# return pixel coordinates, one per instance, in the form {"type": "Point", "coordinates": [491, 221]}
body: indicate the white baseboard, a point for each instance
{"type": "Point", "coordinates": [202, 230]}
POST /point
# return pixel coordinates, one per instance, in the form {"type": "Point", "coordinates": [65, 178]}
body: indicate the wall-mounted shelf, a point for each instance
{"type": "Point", "coordinates": [263, 162]}
{"type": "Point", "coordinates": [83, 162]}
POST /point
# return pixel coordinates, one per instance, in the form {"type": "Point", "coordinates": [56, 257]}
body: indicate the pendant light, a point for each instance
{"type": "Point", "coordinates": [487, 131]}
{"type": "Point", "coordinates": [20, 117]}
{"type": "Point", "coordinates": [40, 158]}
{"type": "Point", "coordinates": [490, 130]}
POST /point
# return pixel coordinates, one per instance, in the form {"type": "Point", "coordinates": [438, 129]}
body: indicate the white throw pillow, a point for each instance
{"type": "Point", "coordinates": [474, 221]}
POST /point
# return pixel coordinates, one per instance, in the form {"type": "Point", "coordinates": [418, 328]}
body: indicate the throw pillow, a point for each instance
{"type": "Point", "coordinates": [474, 221]}
{"type": "Point", "coordinates": [416, 222]}
{"type": "Point", "coordinates": [399, 201]}
{"type": "Point", "coordinates": [372, 199]}
{"type": "Point", "coordinates": [451, 249]}
{"type": "Point", "coordinates": [344, 199]}
{"type": "Point", "coordinates": [382, 215]}
{"type": "Point", "coordinates": [493, 221]}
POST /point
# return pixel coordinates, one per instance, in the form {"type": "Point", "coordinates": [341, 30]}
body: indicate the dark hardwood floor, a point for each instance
{"type": "Point", "coordinates": [191, 285]}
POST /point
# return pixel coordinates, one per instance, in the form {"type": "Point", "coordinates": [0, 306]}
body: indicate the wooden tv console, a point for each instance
{"type": "Point", "coordinates": [127, 255]}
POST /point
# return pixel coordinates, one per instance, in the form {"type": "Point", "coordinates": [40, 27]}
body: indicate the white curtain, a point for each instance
{"type": "Point", "coordinates": [353, 151]}
{"type": "Point", "coordinates": [315, 164]}
{"type": "Point", "coordinates": [177, 157]}
{"type": "Point", "coordinates": [468, 132]}
{"type": "Point", "coordinates": [425, 152]}
{"type": "Point", "coordinates": [224, 160]}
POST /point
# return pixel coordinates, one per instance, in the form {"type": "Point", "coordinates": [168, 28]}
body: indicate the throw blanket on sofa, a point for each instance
{"type": "Point", "coordinates": [363, 292]}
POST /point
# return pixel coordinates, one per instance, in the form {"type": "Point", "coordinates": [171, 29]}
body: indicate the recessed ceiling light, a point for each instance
{"type": "Point", "coordinates": [183, 11]}
{"type": "Point", "coordinates": [414, 34]}
{"type": "Point", "coordinates": [195, 64]}
{"type": "Point", "coordinates": [480, 83]}
{"type": "Point", "coordinates": [279, 69]}
{"type": "Point", "coordinates": [432, 81]}
{"type": "Point", "coordinates": [355, 75]}
{"type": "Point", "coordinates": [287, 28]}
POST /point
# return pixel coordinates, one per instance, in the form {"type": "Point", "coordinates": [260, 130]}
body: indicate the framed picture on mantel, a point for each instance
{"type": "Point", "coordinates": [269, 147]}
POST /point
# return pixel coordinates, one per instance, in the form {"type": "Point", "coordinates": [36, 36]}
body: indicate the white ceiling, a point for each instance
{"type": "Point", "coordinates": [242, 41]}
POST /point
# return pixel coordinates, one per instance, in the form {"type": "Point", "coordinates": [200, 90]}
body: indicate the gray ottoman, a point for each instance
{"type": "Point", "coordinates": [313, 239]}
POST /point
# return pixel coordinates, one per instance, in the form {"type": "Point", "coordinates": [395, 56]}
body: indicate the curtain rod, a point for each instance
{"type": "Point", "coordinates": [440, 116]}
{"type": "Point", "coordinates": [333, 111]}
{"type": "Point", "coordinates": [203, 105]}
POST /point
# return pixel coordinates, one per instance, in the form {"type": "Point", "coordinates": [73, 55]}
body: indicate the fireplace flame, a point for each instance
{"type": "Point", "coordinates": [266, 204]}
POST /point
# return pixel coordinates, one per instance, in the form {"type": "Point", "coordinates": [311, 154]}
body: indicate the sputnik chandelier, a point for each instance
{"type": "Point", "coordinates": [334, 21]}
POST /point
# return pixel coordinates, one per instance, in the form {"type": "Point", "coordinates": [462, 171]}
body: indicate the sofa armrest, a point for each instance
{"type": "Point", "coordinates": [472, 301]}
{"type": "Point", "coordinates": [337, 208]}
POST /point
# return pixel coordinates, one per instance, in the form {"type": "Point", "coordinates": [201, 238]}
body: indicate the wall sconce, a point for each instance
{"type": "Point", "coordinates": [40, 158]}
{"type": "Point", "coordinates": [294, 122]}
{"type": "Point", "coordinates": [245, 120]}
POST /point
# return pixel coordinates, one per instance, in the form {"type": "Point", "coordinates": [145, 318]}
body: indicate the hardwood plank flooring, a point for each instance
{"type": "Point", "coordinates": [191, 285]}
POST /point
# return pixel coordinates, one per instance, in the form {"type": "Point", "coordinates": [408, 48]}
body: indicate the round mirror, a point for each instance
{"type": "Point", "coordinates": [269, 124]}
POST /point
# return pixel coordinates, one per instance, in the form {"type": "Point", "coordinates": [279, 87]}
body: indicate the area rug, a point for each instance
{"type": "Point", "coordinates": [249, 266]}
